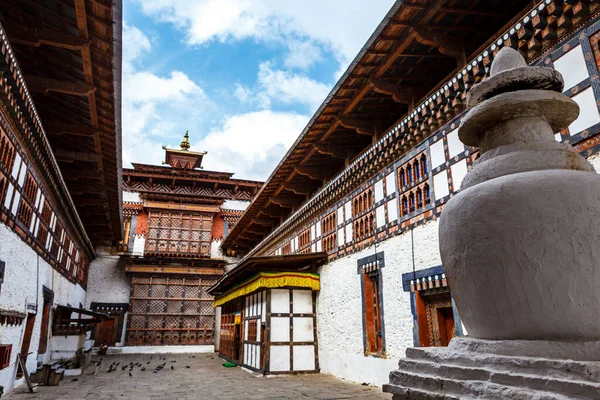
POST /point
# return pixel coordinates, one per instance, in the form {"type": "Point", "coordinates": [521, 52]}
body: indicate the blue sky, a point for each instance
{"type": "Point", "coordinates": [243, 76]}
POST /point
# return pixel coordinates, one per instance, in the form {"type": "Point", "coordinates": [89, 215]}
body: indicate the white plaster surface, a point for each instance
{"type": "Point", "coordinates": [23, 285]}
{"type": "Point", "coordinates": [132, 197]}
{"type": "Point", "coordinates": [280, 358]}
{"type": "Point", "coordinates": [595, 161]}
{"type": "Point", "coordinates": [339, 307]}
{"type": "Point", "coordinates": [304, 358]}
{"type": "Point", "coordinates": [238, 205]}
{"type": "Point", "coordinates": [107, 282]}
{"type": "Point", "coordinates": [357, 368]}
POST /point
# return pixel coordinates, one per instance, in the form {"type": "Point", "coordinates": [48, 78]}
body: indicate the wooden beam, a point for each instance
{"type": "Point", "coordinates": [47, 85]}
{"type": "Point", "coordinates": [401, 94]}
{"type": "Point", "coordinates": [59, 128]}
{"type": "Point", "coordinates": [75, 174]}
{"type": "Point", "coordinates": [445, 44]}
{"type": "Point", "coordinates": [274, 213]}
{"type": "Point", "coordinates": [318, 174]}
{"type": "Point", "coordinates": [79, 202]}
{"type": "Point", "coordinates": [338, 152]}
{"type": "Point", "coordinates": [71, 156]}
{"type": "Point", "coordinates": [264, 222]}
{"type": "Point", "coordinates": [299, 188]}
{"type": "Point", "coordinates": [37, 36]}
{"type": "Point", "coordinates": [470, 11]}
{"type": "Point", "coordinates": [285, 201]}
{"type": "Point", "coordinates": [370, 128]}
{"type": "Point", "coordinates": [78, 189]}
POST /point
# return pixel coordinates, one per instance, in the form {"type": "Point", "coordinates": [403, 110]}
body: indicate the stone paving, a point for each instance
{"type": "Point", "coordinates": [205, 379]}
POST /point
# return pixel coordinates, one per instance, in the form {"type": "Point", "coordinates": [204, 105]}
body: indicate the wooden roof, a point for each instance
{"type": "Point", "coordinates": [416, 47]}
{"type": "Point", "coordinates": [253, 265]}
{"type": "Point", "coordinates": [70, 54]}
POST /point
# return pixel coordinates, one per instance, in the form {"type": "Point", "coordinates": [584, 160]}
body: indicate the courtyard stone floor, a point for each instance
{"type": "Point", "coordinates": [205, 378]}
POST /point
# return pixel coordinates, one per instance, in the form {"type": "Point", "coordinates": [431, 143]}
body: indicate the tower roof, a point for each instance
{"type": "Point", "coordinates": [183, 158]}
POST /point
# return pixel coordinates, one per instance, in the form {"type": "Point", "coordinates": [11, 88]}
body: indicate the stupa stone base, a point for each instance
{"type": "Point", "coordinates": [497, 369]}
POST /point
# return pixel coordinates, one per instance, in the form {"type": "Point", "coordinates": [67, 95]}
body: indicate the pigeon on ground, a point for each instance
{"type": "Point", "coordinates": [130, 375]}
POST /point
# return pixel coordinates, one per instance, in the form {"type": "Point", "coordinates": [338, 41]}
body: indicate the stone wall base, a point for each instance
{"type": "Point", "coordinates": [488, 369]}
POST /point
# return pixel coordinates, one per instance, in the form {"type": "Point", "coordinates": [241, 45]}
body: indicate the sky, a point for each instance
{"type": "Point", "coordinates": [243, 76]}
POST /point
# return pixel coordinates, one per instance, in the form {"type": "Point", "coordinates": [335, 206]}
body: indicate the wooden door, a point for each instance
{"type": "Point", "coordinates": [107, 332]}
{"type": "Point", "coordinates": [26, 340]}
{"type": "Point", "coordinates": [446, 325]}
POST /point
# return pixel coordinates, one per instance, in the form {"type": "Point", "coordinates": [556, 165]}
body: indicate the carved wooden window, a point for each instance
{"type": "Point", "coordinates": [330, 242]}
{"type": "Point", "coordinates": [7, 152]}
{"type": "Point", "coordinates": [304, 239]}
{"type": "Point", "coordinates": [170, 311]}
{"type": "Point", "coordinates": [364, 226]}
{"type": "Point", "coordinates": [286, 249]}
{"type": "Point", "coordinates": [179, 233]}
{"type": "Point", "coordinates": [329, 223]}
{"type": "Point", "coordinates": [252, 329]}
{"type": "Point", "coordinates": [362, 202]}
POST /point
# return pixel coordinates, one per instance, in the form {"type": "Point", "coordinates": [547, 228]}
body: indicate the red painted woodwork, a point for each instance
{"type": "Point", "coordinates": [5, 352]}
{"type": "Point", "coordinates": [218, 228]}
{"type": "Point", "coordinates": [141, 224]}
{"type": "Point", "coordinates": [44, 329]}
{"type": "Point", "coordinates": [424, 337]}
{"type": "Point", "coordinates": [372, 314]}
{"type": "Point", "coordinates": [26, 339]}
{"type": "Point", "coordinates": [446, 324]}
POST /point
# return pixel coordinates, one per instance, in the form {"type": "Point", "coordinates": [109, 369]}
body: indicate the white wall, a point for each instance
{"type": "Point", "coordinates": [595, 161]}
{"type": "Point", "coordinates": [22, 286]}
{"type": "Point", "coordinates": [339, 307]}
{"type": "Point", "coordinates": [107, 283]}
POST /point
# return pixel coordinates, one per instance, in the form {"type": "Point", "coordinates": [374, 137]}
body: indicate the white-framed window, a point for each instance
{"type": "Point", "coordinates": [437, 153]}
{"type": "Point", "coordinates": [588, 111]}
{"type": "Point", "coordinates": [458, 171]}
{"type": "Point", "coordinates": [455, 146]}
{"type": "Point", "coordinates": [379, 190]}
{"type": "Point", "coordinates": [392, 210]}
{"type": "Point", "coordinates": [380, 215]}
{"type": "Point", "coordinates": [572, 67]}
{"type": "Point", "coordinates": [390, 183]}
{"type": "Point", "coordinates": [440, 185]}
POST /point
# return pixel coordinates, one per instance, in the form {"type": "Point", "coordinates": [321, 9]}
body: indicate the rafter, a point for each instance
{"type": "Point", "coordinates": [303, 189]}
{"type": "Point", "coordinates": [37, 36]}
{"type": "Point", "coordinates": [59, 128]}
{"type": "Point", "coordinates": [274, 213]}
{"type": "Point", "coordinates": [401, 94]}
{"type": "Point", "coordinates": [338, 152]}
{"type": "Point", "coordinates": [285, 201]}
{"type": "Point", "coordinates": [318, 174]}
{"type": "Point", "coordinates": [47, 85]}
{"type": "Point", "coordinates": [445, 44]}
{"type": "Point", "coordinates": [264, 222]}
{"type": "Point", "coordinates": [371, 128]}
{"type": "Point", "coordinates": [71, 156]}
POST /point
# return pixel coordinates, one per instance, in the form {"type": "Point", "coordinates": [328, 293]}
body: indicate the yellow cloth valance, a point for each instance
{"type": "Point", "coordinates": [270, 280]}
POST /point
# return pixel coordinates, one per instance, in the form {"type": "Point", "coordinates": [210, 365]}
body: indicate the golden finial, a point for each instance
{"type": "Point", "coordinates": [185, 145]}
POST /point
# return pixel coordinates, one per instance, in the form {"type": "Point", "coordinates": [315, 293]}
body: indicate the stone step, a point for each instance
{"type": "Point", "coordinates": [532, 380]}
{"type": "Point", "coordinates": [559, 369]}
{"type": "Point", "coordinates": [404, 383]}
{"type": "Point", "coordinates": [403, 393]}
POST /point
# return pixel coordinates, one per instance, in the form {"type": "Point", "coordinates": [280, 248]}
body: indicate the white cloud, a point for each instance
{"type": "Point", "coordinates": [251, 144]}
{"type": "Point", "coordinates": [340, 25]}
{"type": "Point", "coordinates": [302, 54]}
{"type": "Point", "coordinates": [154, 107]}
{"type": "Point", "coordinates": [291, 88]}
